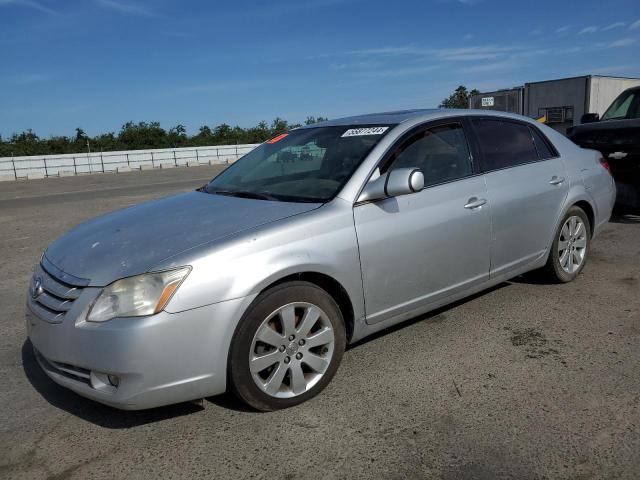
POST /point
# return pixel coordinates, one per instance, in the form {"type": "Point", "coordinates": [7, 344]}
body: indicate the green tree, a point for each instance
{"type": "Point", "coordinates": [279, 126]}
{"type": "Point", "coordinates": [205, 131]}
{"type": "Point", "coordinates": [459, 98]}
{"type": "Point", "coordinates": [179, 130]}
{"type": "Point", "coordinates": [80, 135]}
{"type": "Point", "coordinates": [143, 135]}
{"type": "Point", "coordinates": [222, 134]}
{"type": "Point", "coordinates": [311, 120]}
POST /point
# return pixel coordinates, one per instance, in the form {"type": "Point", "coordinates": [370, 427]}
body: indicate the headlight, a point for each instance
{"type": "Point", "coordinates": [137, 296]}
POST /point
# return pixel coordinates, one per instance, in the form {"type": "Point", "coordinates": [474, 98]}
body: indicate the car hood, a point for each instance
{"type": "Point", "coordinates": [131, 241]}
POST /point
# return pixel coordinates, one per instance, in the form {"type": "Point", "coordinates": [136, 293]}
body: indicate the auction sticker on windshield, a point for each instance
{"type": "Point", "coordinates": [278, 138]}
{"type": "Point", "coordinates": [356, 132]}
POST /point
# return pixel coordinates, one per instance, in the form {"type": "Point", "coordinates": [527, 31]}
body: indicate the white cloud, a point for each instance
{"type": "Point", "coordinates": [487, 52]}
{"type": "Point", "coordinates": [126, 8]}
{"type": "Point", "coordinates": [390, 51]}
{"type": "Point", "coordinates": [623, 42]}
{"type": "Point", "coordinates": [481, 52]}
{"type": "Point", "coordinates": [355, 65]}
{"type": "Point", "coordinates": [174, 34]}
{"type": "Point", "coordinates": [27, 4]}
{"type": "Point", "coordinates": [614, 25]}
{"type": "Point", "coordinates": [27, 78]}
{"type": "Point", "coordinates": [400, 72]}
{"type": "Point", "coordinates": [634, 25]}
{"type": "Point", "coordinates": [216, 87]}
{"type": "Point", "coordinates": [568, 50]}
{"type": "Point", "coordinates": [281, 9]}
{"type": "Point", "coordinates": [611, 69]}
{"type": "Point", "coordinates": [563, 29]}
{"type": "Point", "coordinates": [491, 67]}
{"type": "Point", "coordinates": [590, 29]}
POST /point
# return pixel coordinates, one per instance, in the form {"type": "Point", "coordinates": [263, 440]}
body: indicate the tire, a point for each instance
{"type": "Point", "coordinates": [274, 362]}
{"type": "Point", "coordinates": [560, 268]}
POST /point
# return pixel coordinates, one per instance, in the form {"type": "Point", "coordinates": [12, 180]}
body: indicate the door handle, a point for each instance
{"type": "Point", "coordinates": [475, 202]}
{"type": "Point", "coordinates": [555, 180]}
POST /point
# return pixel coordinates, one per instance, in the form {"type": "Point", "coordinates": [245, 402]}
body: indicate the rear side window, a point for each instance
{"type": "Point", "coordinates": [504, 144]}
{"type": "Point", "coordinates": [542, 145]}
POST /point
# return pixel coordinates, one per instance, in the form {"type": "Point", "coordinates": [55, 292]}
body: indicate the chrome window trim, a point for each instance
{"type": "Point", "coordinates": [481, 163]}
{"type": "Point", "coordinates": [466, 129]}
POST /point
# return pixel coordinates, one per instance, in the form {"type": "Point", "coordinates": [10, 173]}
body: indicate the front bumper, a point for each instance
{"type": "Point", "coordinates": [161, 359]}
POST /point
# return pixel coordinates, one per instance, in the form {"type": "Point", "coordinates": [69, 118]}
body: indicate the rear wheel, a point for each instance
{"type": "Point", "coordinates": [570, 247]}
{"type": "Point", "coordinates": [287, 347]}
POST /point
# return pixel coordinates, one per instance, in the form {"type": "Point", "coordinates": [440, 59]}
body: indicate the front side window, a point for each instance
{"type": "Point", "coordinates": [504, 144]}
{"type": "Point", "coordinates": [626, 106]}
{"type": "Point", "coordinates": [306, 165]}
{"type": "Point", "coordinates": [440, 152]}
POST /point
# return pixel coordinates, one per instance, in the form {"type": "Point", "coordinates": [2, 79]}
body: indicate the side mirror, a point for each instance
{"type": "Point", "coordinates": [590, 118]}
{"type": "Point", "coordinates": [401, 181]}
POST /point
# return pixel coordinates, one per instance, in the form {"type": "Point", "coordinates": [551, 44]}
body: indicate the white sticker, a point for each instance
{"type": "Point", "coordinates": [356, 132]}
{"type": "Point", "coordinates": [487, 102]}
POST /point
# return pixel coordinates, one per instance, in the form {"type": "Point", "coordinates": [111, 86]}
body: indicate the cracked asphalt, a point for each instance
{"type": "Point", "coordinates": [526, 380]}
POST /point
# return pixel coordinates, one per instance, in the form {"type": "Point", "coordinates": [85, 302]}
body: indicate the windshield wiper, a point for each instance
{"type": "Point", "coordinates": [245, 194]}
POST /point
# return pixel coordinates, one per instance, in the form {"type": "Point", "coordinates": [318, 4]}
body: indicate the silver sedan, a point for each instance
{"type": "Point", "coordinates": [319, 237]}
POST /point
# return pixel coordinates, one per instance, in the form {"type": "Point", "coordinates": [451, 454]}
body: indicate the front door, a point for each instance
{"type": "Point", "coordinates": [419, 248]}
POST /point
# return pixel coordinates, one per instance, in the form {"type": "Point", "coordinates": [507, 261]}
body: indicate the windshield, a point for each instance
{"type": "Point", "coordinates": [626, 106]}
{"type": "Point", "coordinates": [306, 165]}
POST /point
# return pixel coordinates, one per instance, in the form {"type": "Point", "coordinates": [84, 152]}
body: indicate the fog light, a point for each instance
{"type": "Point", "coordinates": [113, 380]}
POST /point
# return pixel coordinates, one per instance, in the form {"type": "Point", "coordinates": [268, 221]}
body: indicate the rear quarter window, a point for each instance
{"type": "Point", "coordinates": [504, 144]}
{"type": "Point", "coordinates": [543, 145]}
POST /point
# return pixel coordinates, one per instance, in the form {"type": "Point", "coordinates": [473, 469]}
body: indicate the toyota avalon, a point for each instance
{"type": "Point", "coordinates": [317, 238]}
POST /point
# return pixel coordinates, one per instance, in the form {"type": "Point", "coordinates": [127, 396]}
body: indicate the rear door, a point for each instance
{"type": "Point", "coordinates": [526, 184]}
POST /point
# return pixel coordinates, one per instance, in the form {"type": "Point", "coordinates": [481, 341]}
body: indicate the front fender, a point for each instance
{"type": "Point", "coordinates": [321, 241]}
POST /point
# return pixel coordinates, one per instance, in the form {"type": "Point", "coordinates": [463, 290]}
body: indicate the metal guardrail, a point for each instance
{"type": "Point", "coordinates": [38, 166]}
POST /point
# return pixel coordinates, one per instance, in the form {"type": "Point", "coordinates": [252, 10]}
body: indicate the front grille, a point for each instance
{"type": "Point", "coordinates": [70, 371]}
{"type": "Point", "coordinates": [53, 292]}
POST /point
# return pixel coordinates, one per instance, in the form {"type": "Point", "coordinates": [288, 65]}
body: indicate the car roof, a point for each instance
{"type": "Point", "coordinates": [632, 89]}
{"type": "Point", "coordinates": [380, 118]}
{"type": "Point", "coordinates": [400, 116]}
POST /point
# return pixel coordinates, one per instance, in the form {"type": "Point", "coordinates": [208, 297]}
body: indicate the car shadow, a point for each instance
{"type": "Point", "coordinates": [626, 215]}
{"type": "Point", "coordinates": [229, 401]}
{"type": "Point", "coordinates": [535, 277]}
{"type": "Point", "coordinates": [94, 412]}
{"type": "Point", "coordinates": [434, 316]}
{"type": "Point", "coordinates": [108, 417]}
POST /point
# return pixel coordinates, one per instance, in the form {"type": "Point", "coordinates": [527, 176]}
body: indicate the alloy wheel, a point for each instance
{"type": "Point", "coordinates": [291, 350]}
{"type": "Point", "coordinates": [572, 244]}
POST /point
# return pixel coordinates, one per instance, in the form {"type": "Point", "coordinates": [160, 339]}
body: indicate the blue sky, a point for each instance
{"type": "Point", "coordinates": [99, 63]}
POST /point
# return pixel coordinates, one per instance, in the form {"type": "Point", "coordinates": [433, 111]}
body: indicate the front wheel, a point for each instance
{"type": "Point", "coordinates": [287, 347]}
{"type": "Point", "coordinates": [570, 247]}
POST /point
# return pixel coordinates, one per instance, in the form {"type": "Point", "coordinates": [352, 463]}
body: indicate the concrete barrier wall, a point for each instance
{"type": "Point", "coordinates": [40, 166]}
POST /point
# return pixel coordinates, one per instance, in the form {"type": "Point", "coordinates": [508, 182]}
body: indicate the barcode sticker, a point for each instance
{"type": "Point", "coordinates": [356, 132]}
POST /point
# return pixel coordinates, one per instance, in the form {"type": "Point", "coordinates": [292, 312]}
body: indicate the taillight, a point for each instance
{"type": "Point", "coordinates": [605, 164]}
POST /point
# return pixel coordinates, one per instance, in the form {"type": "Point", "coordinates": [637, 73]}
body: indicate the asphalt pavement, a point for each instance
{"type": "Point", "coordinates": [527, 380]}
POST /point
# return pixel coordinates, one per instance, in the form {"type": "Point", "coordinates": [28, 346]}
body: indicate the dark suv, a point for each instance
{"type": "Point", "coordinates": [617, 136]}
